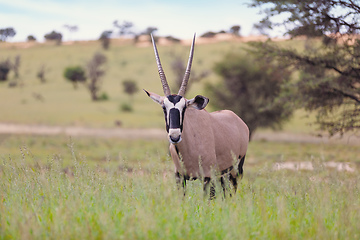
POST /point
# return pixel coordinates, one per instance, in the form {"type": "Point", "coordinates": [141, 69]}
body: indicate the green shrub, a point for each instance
{"type": "Point", "coordinates": [126, 107]}
{"type": "Point", "coordinates": [104, 96]}
{"type": "Point", "coordinates": [75, 74]}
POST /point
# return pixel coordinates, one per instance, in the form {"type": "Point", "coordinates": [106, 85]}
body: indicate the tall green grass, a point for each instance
{"type": "Point", "coordinates": [72, 195]}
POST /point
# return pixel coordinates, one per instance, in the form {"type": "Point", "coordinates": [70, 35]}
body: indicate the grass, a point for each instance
{"type": "Point", "coordinates": [124, 61]}
{"type": "Point", "coordinates": [56, 187]}
{"type": "Point", "coordinates": [63, 105]}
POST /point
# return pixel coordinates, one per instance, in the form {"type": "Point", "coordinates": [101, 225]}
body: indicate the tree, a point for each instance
{"type": "Point", "coordinates": [249, 88]}
{"type": "Point", "coordinates": [208, 35]}
{"type": "Point", "coordinates": [130, 87]}
{"type": "Point", "coordinates": [5, 33]}
{"type": "Point", "coordinates": [329, 65]}
{"type": "Point", "coordinates": [150, 30]}
{"type": "Point", "coordinates": [54, 36]}
{"type": "Point", "coordinates": [71, 28]}
{"type": "Point", "coordinates": [31, 38]}
{"type": "Point", "coordinates": [95, 73]}
{"type": "Point", "coordinates": [178, 67]}
{"type": "Point", "coordinates": [5, 67]}
{"type": "Point", "coordinates": [124, 28]}
{"type": "Point", "coordinates": [105, 39]}
{"type": "Point", "coordinates": [235, 30]}
{"type": "Point", "coordinates": [75, 74]}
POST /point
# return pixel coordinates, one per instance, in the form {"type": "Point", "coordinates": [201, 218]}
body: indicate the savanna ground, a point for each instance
{"type": "Point", "coordinates": [91, 187]}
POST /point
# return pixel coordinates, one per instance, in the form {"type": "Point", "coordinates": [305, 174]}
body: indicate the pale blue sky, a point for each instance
{"type": "Point", "coordinates": [176, 18]}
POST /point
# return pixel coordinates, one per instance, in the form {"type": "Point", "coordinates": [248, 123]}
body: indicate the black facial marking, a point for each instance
{"type": "Point", "coordinates": [174, 118]}
{"type": "Point", "coordinates": [167, 125]}
{"type": "Point", "coordinates": [174, 98]}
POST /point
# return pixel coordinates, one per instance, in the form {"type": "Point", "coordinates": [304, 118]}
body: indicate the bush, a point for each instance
{"type": "Point", "coordinates": [126, 107]}
{"type": "Point", "coordinates": [208, 35]}
{"type": "Point", "coordinates": [75, 74]}
{"type": "Point", "coordinates": [5, 67]}
{"type": "Point", "coordinates": [130, 87]}
{"type": "Point", "coordinates": [104, 97]}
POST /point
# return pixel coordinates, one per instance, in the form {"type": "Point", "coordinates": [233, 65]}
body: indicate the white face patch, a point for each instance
{"type": "Point", "coordinates": [180, 105]}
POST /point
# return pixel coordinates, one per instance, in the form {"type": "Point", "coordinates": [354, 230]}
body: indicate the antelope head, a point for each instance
{"type": "Point", "coordinates": [174, 105]}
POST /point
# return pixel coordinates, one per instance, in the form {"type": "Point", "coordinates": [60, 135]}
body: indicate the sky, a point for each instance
{"type": "Point", "coordinates": [180, 19]}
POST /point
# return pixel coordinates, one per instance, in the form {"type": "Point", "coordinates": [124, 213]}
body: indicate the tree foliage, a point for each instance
{"type": "Point", "coordinates": [130, 87]}
{"type": "Point", "coordinates": [31, 38]}
{"type": "Point", "coordinates": [105, 39]}
{"type": "Point", "coordinates": [124, 28]}
{"type": "Point", "coordinates": [235, 30]}
{"type": "Point", "coordinates": [178, 67]}
{"type": "Point", "coordinates": [329, 65]}
{"type": "Point", "coordinates": [249, 88]}
{"type": "Point", "coordinates": [75, 74]}
{"type": "Point", "coordinates": [5, 33]}
{"type": "Point", "coordinates": [54, 36]}
{"type": "Point", "coordinates": [95, 72]}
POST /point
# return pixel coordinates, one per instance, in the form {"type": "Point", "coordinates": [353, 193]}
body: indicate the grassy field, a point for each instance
{"type": "Point", "coordinates": [59, 188]}
{"type": "Point", "coordinates": [63, 105]}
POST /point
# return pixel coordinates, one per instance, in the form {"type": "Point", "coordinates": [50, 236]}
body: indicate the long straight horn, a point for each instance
{"type": "Point", "coordinates": [184, 83]}
{"type": "Point", "coordinates": [165, 84]}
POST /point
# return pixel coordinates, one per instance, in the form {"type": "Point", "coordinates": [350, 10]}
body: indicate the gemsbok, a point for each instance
{"type": "Point", "coordinates": [202, 144]}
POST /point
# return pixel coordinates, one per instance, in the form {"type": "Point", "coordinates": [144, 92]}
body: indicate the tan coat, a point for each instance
{"type": "Point", "coordinates": [215, 139]}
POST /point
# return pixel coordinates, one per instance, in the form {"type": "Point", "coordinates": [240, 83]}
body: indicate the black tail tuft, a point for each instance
{"type": "Point", "coordinates": [241, 164]}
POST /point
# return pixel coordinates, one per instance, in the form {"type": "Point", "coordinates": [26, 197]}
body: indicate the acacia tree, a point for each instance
{"type": "Point", "coordinates": [124, 28]}
{"type": "Point", "coordinates": [105, 39]}
{"type": "Point", "coordinates": [249, 88]}
{"type": "Point", "coordinates": [235, 30]}
{"type": "Point", "coordinates": [6, 33]}
{"type": "Point", "coordinates": [329, 79]}
{"type": "Point", "coordinates": [54, 36]}
{"type": "Point", "coordinates": [178, 67]}
{"type": "Point", "coordinates": [95, 72]}
{"type": "Point", "coordinates": [71, 28]}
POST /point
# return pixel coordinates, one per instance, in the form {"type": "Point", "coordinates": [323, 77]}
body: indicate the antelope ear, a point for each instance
{"type": "Point", "coordinates": [157, 98]}
{"type": "Point", "coordinates": [199, 102]}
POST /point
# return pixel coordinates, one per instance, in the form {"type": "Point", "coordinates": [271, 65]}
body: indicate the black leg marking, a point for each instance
{"type": "Point", "coordinates": [180, 180]}
{"type": "Point", "coordinates": [223, 185]}
{"type": "Point", "coordinates": [234, 182]}
{"type": "Point", "coordinates": [240, 167]}
{"type": "Point", "coordinates": [207, 182]}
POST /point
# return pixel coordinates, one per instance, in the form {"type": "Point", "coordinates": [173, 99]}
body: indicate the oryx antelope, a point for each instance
{"type": "Point", "coordinates": [201, 143]}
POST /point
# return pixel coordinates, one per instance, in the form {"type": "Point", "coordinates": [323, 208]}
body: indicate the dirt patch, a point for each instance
{"type": "Point", "coordinates": [155, 133]}
{"type": "Point", "coordinates": [310, 166]}
{"type": "Point", "coordinates": [9, 128]}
